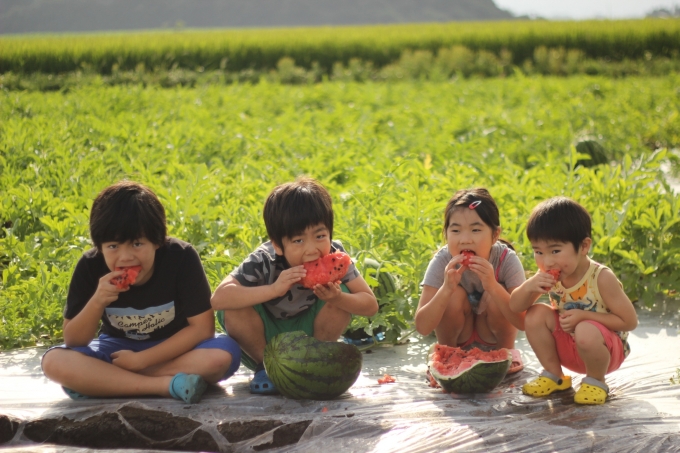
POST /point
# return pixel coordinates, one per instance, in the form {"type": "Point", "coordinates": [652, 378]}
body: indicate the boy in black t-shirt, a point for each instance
{"type": "Point", "coordinates": [157, 336]}
{"type": "Point", "coordinates": [262, 297]}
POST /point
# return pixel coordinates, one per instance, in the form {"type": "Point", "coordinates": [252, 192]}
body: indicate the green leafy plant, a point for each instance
{"type": "Point", "coordinates": [391, 155]}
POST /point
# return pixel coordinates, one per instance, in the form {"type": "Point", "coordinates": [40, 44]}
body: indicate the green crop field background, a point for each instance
{"type": "Point", "coordinates": [262, 49]}
{"type": "Point", "coordinates": [390, 154]}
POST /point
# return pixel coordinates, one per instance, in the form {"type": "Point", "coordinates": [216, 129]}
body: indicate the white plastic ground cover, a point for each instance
{"type": "Point", "coordinates": [642, 415]}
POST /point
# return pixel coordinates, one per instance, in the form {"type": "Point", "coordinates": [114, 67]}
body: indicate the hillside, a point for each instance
{"type": "Point", "coordinates": [30, 16]}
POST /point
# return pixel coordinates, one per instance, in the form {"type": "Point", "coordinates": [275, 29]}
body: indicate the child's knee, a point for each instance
{"type": "Point", "coordinates": [336, 315]}
{"type": "Point", "coordinates": [219, 362]}
{"type": "Point", "coordinates": [538, 317]}
{"type": "Point", "coordinates": [587, 336]}
{"type": "Point", "coordinates": [457, 313]}
{"type": "Point", "coordinates": [53, 361]}
{"type": "Point", "coordinates": [235, 320]}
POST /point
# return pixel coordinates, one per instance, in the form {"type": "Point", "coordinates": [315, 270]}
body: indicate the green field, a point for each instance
{"type": "Point", "coordinates": [238, 50]}
{"type": "Point", "coordinates": [391, 155]}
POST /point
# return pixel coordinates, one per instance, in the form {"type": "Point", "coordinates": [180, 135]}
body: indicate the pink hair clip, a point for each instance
{"type": "Point", "coordinates": [474, 204]}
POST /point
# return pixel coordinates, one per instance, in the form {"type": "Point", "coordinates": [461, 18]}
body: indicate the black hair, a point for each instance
{"type": "Point", "coordinates": [293, 207]}
{"type": "Point", "coordinates": [484, 205]}
{"type": "Point", "coordinates": [126, 211]}
{"type": "Point", "coordinates": [559, 219]}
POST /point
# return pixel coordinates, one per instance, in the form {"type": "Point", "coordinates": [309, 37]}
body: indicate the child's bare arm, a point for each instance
{"type": "Point", "coordinates": [501, 297]}
{"type": "Point", "coordinates": [621, 316]}
{"type": "Point", "coordinates": [231, 295]}
{"type": "Point", "coordinates": [431, 306]}
{"type": "Point", "coordinates": [359, 301]}
{"type": "Point", "coordinates": [433, 301]}
{"type": "Point", "coordinates": [526, 294]}
{"type": "Point", "coordinates": [201, 327]}
{"type": "Point", "coordinates": [82, 328]}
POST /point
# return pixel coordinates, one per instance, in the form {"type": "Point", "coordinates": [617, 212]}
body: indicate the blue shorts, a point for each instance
{"type": "Point", "coordinates": [101, 348]}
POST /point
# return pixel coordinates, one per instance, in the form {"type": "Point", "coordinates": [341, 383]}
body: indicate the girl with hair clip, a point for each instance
{"type": "Point", "coordinates": [466, 289]}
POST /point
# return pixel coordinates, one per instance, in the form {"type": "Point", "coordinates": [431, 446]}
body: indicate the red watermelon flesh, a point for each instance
{"type": "Point", "coordinates": [467, 254]}
{"type": "Point", "coordinates": [329, 268]}
{"type": "Point", "coordinates": [468, 371]}
{"type": "Point", "coordinates": [128, 278]}
{"type": "Point", "coordinates": [555, 274]}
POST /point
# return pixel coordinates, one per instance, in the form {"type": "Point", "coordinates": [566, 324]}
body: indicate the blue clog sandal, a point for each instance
{"type": "Point", "coordinates": [261, 384]}
{"type": "Point", "coordinates": [187, 387]}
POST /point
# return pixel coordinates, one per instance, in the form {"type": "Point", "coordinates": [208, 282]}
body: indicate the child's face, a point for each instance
{"type": "Point", "coordinates": [467, 231]}
{"type": "Point", "coordinates": [140, 252]}
{"type": "Point", "coordinates": [552, 254]}
{"type": "Point", "coordinates": [311, 244]}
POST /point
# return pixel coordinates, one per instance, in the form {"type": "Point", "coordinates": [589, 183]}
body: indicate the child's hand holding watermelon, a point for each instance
{"type": "Point", "coordinates": [109, 288]}
{"type": "Point", "coordinates": [288, 278]}
{"type": "Point", "coordinates": [542, 282]}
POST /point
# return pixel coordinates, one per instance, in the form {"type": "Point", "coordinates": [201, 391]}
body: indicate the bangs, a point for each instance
{"type": "Point", "coordinates": [292, 208]}
{"type": "Point", "coordinates": [125, 212]}
{"type": "Point", "coordinates": [126, 225]}
{"type": "Point", "coordinates": [559, 219]}
{"type": "Point", "coordinates": [303, 211]}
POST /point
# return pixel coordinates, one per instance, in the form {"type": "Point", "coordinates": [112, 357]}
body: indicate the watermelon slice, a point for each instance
{"type": "Point", "coordinates": [467, 255]}
{"type": "Point", "coordinates": [128, 278]}
{"type": "Point", "coordinates": [473, 371]}
{"type": "Point", "coordinates": [555, 274]}
{"type": "Point", "coordinates": [329, 268]}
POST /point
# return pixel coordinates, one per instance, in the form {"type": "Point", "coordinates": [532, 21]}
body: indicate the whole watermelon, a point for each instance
{"type": "Point", "coordinates": [473, 371]}
{"type": "Point", "coordinates": [302, 367]}
{"type": "Point", "coordinates": [386, 283]}
{"type": "Point", "coordinates": [593, 148]}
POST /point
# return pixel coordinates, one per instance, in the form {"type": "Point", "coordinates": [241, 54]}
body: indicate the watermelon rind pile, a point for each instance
{"type": "Point", "coordinates": [481, 377]}
{"type": "Point", "coordinates": [302, 367]}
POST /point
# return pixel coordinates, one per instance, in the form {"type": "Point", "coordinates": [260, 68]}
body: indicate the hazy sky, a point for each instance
{"type": "Point", "coordinates": [584, 9]}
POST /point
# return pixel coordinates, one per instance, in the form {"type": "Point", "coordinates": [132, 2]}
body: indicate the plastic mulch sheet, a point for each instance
{"type": "Point", "coordinates": [643, 413]}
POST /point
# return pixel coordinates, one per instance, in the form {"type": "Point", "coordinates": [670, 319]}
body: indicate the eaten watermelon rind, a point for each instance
{"type": "Point", "coordinates": [481, 377]}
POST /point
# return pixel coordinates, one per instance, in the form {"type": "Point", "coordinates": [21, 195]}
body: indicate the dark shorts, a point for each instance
{"type": "Point", "coordinates": [101, 348]}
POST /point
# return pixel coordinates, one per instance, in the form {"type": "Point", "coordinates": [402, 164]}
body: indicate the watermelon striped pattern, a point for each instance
{"type": "Point", "coordinates": [386, 283]}
{"type": "Point", "coordinates": [482, 377]}
{"type": "Point", "coordinates": [302, 367]}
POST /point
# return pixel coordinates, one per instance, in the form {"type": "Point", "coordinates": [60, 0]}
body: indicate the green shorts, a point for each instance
{"type": "Point", "coordinates": [273, 326]}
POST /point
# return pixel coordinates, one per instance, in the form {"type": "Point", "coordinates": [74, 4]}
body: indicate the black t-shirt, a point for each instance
{"type": "Point", "coordinates": [177, 290]}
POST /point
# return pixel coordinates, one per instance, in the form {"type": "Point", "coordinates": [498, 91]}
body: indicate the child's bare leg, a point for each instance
{"type": "Point", "coordinates": [540, 324]}
{"type": "Point", "coordinates": [330, 323]}
{"type": "Point", "coordinates": [94, 377]}
{"type": "Point", "coordinates": [246, 327]}
{"type": "Point", "coordinates": [494, 328]}
{"type": "Point", "coordinates": [592, 350]}
{"type": "Point", "coordinates": [211, 364]}
{"type": "Point", "coordinates": [457, 321]}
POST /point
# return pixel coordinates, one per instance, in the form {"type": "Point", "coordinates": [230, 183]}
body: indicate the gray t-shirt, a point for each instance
{"type": "Point", "coordinates": [510, 273]}
{"type": "Point", "coordinates": [263, 267]}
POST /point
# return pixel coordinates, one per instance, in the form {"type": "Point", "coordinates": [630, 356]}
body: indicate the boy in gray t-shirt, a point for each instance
{"type": "Point", "coordinates": [263, 296]}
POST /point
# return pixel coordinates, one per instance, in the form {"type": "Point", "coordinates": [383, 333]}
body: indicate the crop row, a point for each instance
{"type": "Point", "coordinates": [448, 64]}
{"type": "Point", "coordinates": [390, 154]}
{"type": "Point", "coordinates": [381, 45]}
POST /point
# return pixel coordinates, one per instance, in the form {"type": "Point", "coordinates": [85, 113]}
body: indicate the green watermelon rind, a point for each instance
{"type": "Point", "coordinates": [469, 380]}
{"type": "Point", "coordinates": [302, 367]}
{"type": "Point", "coordinates": [386, 282]}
